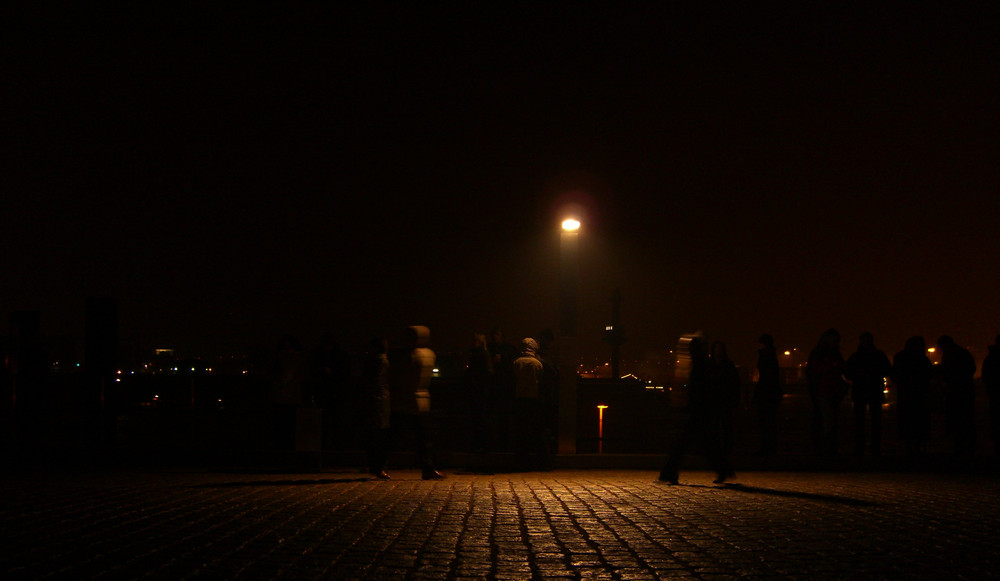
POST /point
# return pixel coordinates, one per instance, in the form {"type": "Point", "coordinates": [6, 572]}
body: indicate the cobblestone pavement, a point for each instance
{"type": "Point", "coordinates": [598, 524]}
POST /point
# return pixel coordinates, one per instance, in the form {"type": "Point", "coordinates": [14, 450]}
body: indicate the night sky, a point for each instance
{"type": "Point", "coordinates": [230, 176]}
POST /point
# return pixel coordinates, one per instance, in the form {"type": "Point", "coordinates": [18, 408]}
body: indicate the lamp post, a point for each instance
{"type": "Point", "coordinates": [568, 276]}
{"type": "Point", "coordinates": [600, 428]}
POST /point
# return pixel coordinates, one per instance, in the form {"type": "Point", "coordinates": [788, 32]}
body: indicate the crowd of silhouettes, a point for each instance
{"type": "Point", "coordinates": [512, 397]}
{"type": "Point", "coordinates": [511, 393]}
{"type": "Point", "coordinates": [713, 395]}
{"type": "Point", "coordinates": [917, 381]}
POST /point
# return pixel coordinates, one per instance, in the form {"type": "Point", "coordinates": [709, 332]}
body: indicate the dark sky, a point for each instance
{"type": "Point", "coordinates": [230, 176]}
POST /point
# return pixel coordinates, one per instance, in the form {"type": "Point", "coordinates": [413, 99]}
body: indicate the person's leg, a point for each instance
{"type": "Point", "coordinates": [422, 431]}
{"type": "Point", "coordinates": [382, 443]}
{"type": "Point", "coordinates": [859, 427]}
{"type": "Point", "coordinates": [715, 444]}
{"type": "Point", "coordinates": [817, 423]}
{"type": "Point", "coordinates": [676, 450]}
{"type": "Point", "coordinates": [995, 422]}
{"type": "Point", "coordinates": [767, 418]}
{"type": "Point", "coordinates": [876, 423]}
{"type": "Point", "coordinates": [828, 436]}
{"type": "Point", "coordinates": [728, 437]}
{"type": "Point", "coordinates": [536, 442]}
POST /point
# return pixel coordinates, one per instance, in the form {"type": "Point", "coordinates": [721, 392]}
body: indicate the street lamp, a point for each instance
{"type": "Point", "coordinates": [570, 225]}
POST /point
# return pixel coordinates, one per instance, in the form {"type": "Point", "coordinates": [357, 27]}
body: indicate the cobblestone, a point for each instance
{"type": "Point", "coordinates": [597, 524]}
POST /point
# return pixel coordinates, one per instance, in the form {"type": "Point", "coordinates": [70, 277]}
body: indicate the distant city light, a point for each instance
{"type": "Point", "coordinates": [788, 352]}
{"type": "Point", "coordinates": [931, 349]}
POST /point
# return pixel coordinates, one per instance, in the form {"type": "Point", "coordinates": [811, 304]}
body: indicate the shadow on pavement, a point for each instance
{"type": "Point", "coordinates": [289, 482]}
{"type": "Point", "coordinates": [786, 493]}
{"type": "Point", "coordinates": [794, 494]}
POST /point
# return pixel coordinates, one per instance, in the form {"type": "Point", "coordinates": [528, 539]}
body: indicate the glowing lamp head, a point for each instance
{"type": "Point", "coordinates": [570, 225]}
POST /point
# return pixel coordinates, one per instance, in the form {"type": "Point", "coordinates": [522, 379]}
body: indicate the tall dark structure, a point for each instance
{"type": "Point", "coordinates": [100, 358]}
{"type": "Point", "coordinates": [28, 379]}
{"type": "Point", "coordinates": [614, 334]}
{"type": "Point", "coordinates": [101, 332]}
{"type": "Point", "coordinates": [27, 360]}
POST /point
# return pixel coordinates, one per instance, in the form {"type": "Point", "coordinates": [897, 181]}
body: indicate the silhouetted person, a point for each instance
{"type": "Point", "coordinates": [285, 391]}
{"type": "Point", "coordinates": [767, 395]}
{"type": "Point", "coordinates": [827, 388]}
{"type": "Point", "coordinates": [503, 355]}
{"type": "Point", "coordinates": [478, 379]}
{"type": "Point", "coordinates": [330, 370]}
{"type": "Point", "coordinates": [724, 382]}
{"type": "Point", "coordinates": [375, 395]}
{"type": "Point", "coordinates": [911, 372]}
{"type": "Point", "coordinates": [530, 445]}
{"type": "Point", "coordinates": [957, 370]}
{"type": "Point", "coordinates": [991, 379]}
{"type": "Point", "coordinates": [867, 369]}
{"type": "Point", "coordinates": [701, 421]}
{"type": "Point", "coordinates": [410, 371]}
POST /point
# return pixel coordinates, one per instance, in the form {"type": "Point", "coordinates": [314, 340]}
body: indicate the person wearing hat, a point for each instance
{"type": "Point", "coordinates": [530, 445]}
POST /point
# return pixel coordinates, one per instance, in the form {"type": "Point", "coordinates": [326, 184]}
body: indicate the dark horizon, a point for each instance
{"type": "Point", "coordinates": [231, 177]}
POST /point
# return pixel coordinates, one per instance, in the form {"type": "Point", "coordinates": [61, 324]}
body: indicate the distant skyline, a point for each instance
{"type": "Point", "coordinates": [232, 176]}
